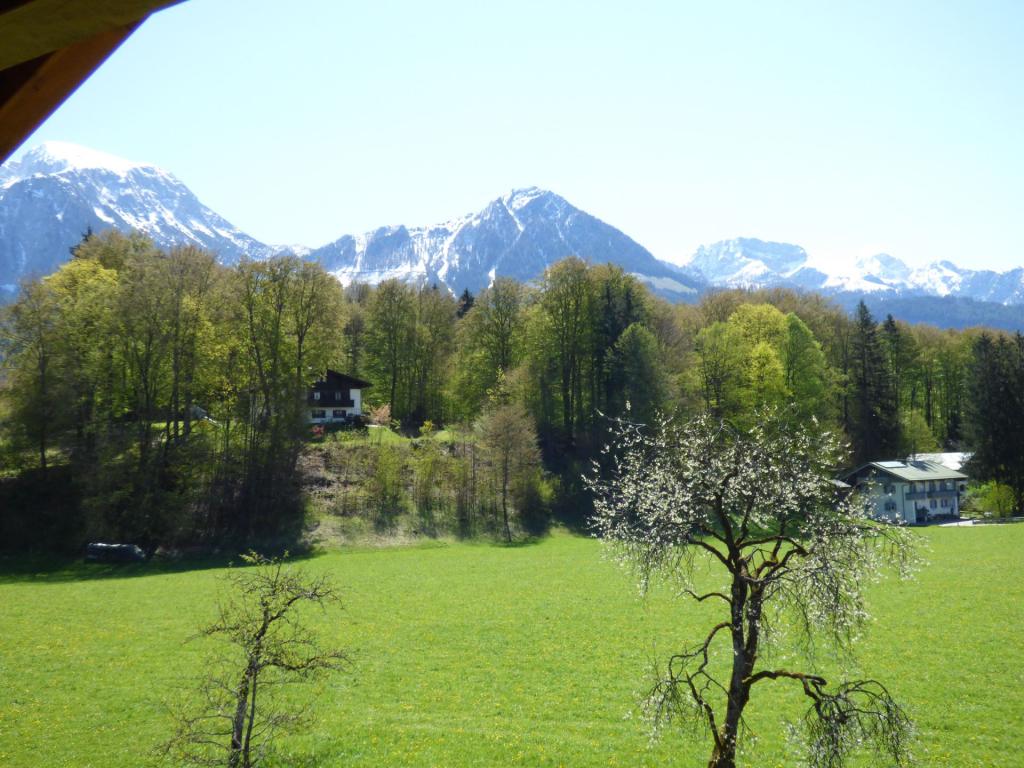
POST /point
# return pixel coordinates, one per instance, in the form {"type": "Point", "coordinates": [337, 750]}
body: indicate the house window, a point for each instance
{"type": "Point", "coordinates": [337, 394]}
{"type": "Point", "coordinates": [931, 485]}
{"type": "Point", "coordinates": [337, 413]}
{"type": "Point", "coordinates": [316, 395]}
{"type": "Point", "coordinates": [889, 488]}
{"type": "Point", "coordinates": [932, 504]}
{"type": "Point", "coordinates": [890, 506]}
{"type": "Point", "coordinates": [945, 502]}
{"type": "Point", "coordinates": [319, 414]}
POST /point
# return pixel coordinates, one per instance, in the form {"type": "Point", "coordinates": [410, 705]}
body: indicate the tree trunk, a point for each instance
{"type": "Point", "coordinates": [724, 757]}
{"type": "Point", "coordinates": [504, 499]}
{"type": "Point", "coordinates": [42, 447]}
{"type": "Point", "coordinates": [44, 399]}
{"type": "Point", "coordinates": [238, 723]}
{"type": "Point", "coordinates": [247, 748]}
{"type": "Point", "coordinates": [394, 385]}
{"type": "Point", "coordinates": [567, 410]}
{"type": "Point", "coordinates": [744, 647]}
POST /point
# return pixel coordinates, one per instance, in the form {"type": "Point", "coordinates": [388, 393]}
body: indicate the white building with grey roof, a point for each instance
{"type": "Point", "coordinates": [912, 491]}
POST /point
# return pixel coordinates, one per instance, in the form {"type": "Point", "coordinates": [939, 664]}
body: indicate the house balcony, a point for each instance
{"type": "Point", "coordinates": [327, 403]}
{"type": "Point", "coordinates": [938, 493]}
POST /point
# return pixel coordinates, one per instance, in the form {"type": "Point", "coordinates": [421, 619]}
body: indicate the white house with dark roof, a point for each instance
{"type": "Point", "coordinates": [336, 398]}
{"type": "Point", "coordinates": [911, 491]}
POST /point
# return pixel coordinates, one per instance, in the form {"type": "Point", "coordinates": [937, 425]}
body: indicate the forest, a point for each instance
{"type": "Point", "coordinates": [157, 396]}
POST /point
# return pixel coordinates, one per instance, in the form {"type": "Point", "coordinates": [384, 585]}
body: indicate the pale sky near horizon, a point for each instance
{"type": "Point", "coordinates": [847, 128]}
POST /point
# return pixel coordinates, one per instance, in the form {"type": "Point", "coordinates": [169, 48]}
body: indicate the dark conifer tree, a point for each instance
{"type": "Point", "coordinates": [466, 301]}
{"type": "Point", "coordinates": [874, 423]}
{"type": "Point", "coordinates": [86, 237]}
{"type": "Point", "coordinates": [995, 412]}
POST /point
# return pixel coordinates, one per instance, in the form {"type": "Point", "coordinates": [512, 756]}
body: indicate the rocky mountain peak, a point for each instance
{"type": "Point", "coordinates": [52, 157]}
{"type": "Point", "coordinates": [883, 266]}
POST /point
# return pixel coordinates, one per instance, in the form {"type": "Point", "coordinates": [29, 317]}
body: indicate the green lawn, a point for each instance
{"type": "Point", "coordinates": [478, 655]}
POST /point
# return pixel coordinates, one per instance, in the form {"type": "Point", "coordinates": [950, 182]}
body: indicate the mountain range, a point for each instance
{"type": "Point", "coordinates": [57, 191]}
{"type": "Point", "coordinates": [751, 263]}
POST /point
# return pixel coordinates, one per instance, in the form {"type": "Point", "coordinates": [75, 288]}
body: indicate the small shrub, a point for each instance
{"type": "Point", "coordinates": [386, 491]}
{"type": "Point", "coordinates": [991, 499]}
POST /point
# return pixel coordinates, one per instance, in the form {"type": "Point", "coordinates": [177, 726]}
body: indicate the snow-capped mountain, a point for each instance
{"type": "Point", "coordinates": [746, 262]}
{"type": "Point", "coordinates": [57, 191]}
{"type": "Point", "coordinates": [751, 263]}
{"type": "Point", "coordinates": [517, 235]}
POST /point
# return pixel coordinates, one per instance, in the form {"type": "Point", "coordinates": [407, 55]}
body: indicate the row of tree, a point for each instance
{"type": "Point", "coordinates": [587, 340]}
{"type": "Point", "coordinates": [166, 389]}
{"type": "Point", "coordinates": [164, 392]}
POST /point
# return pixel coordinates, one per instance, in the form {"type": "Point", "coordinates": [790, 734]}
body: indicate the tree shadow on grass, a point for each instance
{"type": "Point", "coordinates": [54, 569]}
{"type": "Point", "coordinates": [520, 543]}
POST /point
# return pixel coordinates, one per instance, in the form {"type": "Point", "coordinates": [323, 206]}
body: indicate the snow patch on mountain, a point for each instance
{"type": "Point", "coordinates": [886, 268]}
{"type": "Point", "coordinates": [58, 191]}
{"type": "Point", "coordinates": [59, 156]}
{"type": "Point", "coordinates": [666, 284]}
{"type": "Point", "coordinates": [516, 235]}
{"type": "Point", "coordinates": [752, 263]}
{"type": "Point", "coordinates": [747, 262]}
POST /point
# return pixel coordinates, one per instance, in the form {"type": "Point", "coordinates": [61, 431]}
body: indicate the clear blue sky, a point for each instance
{"type": "Point", "coordinates": [847, 127]}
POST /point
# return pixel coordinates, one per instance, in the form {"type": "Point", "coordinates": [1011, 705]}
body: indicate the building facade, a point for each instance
{"type": "Point", "coordinates": [912, 491]}
{"type": "Point", "coordinates": [336, 398]}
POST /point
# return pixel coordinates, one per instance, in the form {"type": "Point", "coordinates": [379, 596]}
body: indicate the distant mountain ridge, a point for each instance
{"type": "Point", "coordinates": [57, 191]}
{"type": "Point", "coordinates": [752, 263]}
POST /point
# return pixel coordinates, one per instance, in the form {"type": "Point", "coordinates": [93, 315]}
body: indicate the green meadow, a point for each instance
{"type": "Point", "coordinates": [483, 655]}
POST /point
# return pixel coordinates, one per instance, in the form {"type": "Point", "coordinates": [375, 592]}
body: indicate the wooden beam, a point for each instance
{"type": "Point", "coordinates": [32, 28]}
{"type": "Point", "coordinates": [32, 90]}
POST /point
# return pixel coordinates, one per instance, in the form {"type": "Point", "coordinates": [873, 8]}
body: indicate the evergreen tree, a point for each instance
{"type": "Point", "coordinates": [636, 362]}
{"type": "Point", "coordinates": [619, 302]}
{"type": "Point", "coordinates": [901, 352]}
{"type": "Point", "coordinates": [465, 303]}
{"type": "Point", "coordinates": [874, 428]}
{"type": "Point", "coordinates": [996, 412]}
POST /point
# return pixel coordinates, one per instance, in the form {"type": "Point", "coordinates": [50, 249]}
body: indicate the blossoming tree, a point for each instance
{"type": "Point", "coordinates": [793, 559]}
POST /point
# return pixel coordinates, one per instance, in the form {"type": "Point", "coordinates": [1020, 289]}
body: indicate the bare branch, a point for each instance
{"type": "Point", "coordinates": [230, 724]}
{"type": "Point", "coordinates": [760, 504]}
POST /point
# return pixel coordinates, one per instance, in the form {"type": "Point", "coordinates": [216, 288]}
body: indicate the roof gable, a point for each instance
{"type": "Point", "coordinates": [341, 381]}
{"type": "Point", "coordinates": [911, 470]}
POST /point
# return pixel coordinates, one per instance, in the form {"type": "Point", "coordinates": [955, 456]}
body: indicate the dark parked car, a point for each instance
{"type": "Point", "coordinates": [113, 553]}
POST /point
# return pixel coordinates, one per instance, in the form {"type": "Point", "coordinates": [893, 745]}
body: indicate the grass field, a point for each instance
{"type": "Point", "coordinates": [479, 655]}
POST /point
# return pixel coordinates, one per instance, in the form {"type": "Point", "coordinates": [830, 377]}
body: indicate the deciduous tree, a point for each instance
{"type": "Point", "coordinates": [265, 644]}
{"type": "Point", "coordinates": [759, 508]}
{"type": "Point", "coordinates": [508, 441]}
